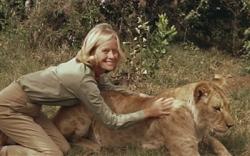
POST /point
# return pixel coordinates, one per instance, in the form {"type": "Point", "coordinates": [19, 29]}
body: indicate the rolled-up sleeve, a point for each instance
{"type": "Point", "coordinates": [89, 94]}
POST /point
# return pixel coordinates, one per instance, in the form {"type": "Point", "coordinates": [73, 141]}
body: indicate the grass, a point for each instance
{"type": "Point", "coordinates": [124, 151]}
{"type": "Point", "coordinates": [183, 64]}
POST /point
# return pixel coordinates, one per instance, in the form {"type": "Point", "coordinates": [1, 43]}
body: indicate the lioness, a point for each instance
{"type": "Point", "coordinates": [200, 109]}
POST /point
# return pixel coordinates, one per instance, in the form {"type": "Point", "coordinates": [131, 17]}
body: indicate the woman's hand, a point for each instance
{"type": "Point", "coordinates": [160, 107]}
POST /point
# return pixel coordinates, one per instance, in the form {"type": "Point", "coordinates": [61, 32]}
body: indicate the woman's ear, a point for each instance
{"type": "Point", "coordinates": [92, 60]}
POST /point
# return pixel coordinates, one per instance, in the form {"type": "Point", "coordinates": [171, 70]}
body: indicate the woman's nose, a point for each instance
{"type": "Point", "coordinates": [110, 54]}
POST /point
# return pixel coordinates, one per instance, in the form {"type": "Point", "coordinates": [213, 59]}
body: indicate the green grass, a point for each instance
{"type": "Point", "coordinates": [182, 65]}
{"type": "Point", "coordinates": [124, 151]}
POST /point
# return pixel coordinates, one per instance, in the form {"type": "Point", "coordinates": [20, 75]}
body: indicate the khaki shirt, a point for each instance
{"type": "Point", "coordinates": [72, 83]}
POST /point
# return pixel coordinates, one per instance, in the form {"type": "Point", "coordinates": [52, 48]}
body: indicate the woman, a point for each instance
{"type": "Point", "coordinates": [76, 81]}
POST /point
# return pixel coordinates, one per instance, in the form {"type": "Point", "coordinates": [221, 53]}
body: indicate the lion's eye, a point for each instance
{"type": "Point", "coordinates": [217, 108]}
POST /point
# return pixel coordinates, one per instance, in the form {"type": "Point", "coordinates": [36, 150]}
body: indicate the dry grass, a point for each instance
{"type": "Point", "coordinates": [182, 65]}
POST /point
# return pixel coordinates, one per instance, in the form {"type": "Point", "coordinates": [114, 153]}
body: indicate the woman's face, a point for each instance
{"type": "Point", "coordinates": [107, 56]}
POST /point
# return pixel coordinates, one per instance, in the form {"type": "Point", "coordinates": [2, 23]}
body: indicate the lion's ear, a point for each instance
{"type": "Point", "coordinates": [220, 80]}
{"type": "Point", "coordinates": [201, 92]}
{"type": "Point", "coordinates": [217, 77]}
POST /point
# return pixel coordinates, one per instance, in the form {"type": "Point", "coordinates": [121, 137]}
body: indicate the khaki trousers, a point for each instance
{"type": "Point", "coordinates": [26, 125]}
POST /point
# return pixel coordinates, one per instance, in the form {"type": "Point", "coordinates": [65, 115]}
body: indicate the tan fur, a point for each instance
{"type": "Point", "coordinates": [200, 109]}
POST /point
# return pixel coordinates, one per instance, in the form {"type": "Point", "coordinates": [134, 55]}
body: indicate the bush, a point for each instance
{"type": "Point", "coordinates": [11, 12]}
{"type": "Point", "coordinates": [148, 48]}
{"type": "Point", "coordinates": [56, 23]}
{"type": "Point", "coordinates": [206, 23]}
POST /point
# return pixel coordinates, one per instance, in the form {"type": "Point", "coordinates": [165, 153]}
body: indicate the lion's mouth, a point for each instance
{"type": "Point", "coordinates": [218, 132]}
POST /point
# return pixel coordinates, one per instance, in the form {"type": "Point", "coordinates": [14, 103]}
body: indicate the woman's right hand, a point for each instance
{"type": "Point", "coordinates": [162, 106]}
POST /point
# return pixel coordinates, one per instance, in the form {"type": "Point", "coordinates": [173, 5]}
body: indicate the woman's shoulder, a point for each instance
{"type": "Point", "coordinates": [73, 71]}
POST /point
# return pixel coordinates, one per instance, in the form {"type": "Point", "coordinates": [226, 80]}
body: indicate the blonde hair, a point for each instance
{"type": "Point", "coordinates": [95, 37]}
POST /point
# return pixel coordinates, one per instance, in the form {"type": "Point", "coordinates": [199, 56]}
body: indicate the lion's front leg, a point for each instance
{"type": "Point", "coordinates": [217, 147]}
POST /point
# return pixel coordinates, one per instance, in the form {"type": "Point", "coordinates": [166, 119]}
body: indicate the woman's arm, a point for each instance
{"type": "Point", "coordinates": [89, 94]}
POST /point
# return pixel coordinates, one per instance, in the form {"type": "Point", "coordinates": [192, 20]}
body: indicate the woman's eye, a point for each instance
{"type": "Point", "coordinates": [115, 51]}
{"type": "Point", "coordinates": [105, 51]}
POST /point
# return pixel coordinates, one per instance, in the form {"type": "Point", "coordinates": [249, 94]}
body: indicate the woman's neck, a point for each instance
{"type": "Point", "coordinates": [98, 72]}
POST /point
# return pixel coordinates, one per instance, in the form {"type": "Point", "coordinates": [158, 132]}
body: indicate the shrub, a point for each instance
{"type": "Point", "coordinates": [207, 23]}
{"type": "Point", "coordinates": [11, 12]}
{"type": "Point", "coordinates": [55, 23]}
{"type": "Point", "coordinates": [148, 48]}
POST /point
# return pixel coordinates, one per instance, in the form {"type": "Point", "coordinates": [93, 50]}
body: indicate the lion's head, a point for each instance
{"type": "Point", "coordinates": [212, 110]}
